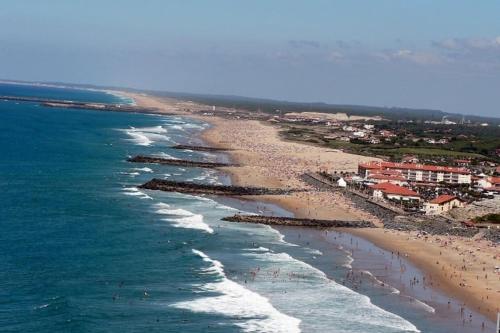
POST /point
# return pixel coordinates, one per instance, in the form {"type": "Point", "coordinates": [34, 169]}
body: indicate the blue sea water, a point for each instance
{"type": "Point", "coordinates": [82, 249]}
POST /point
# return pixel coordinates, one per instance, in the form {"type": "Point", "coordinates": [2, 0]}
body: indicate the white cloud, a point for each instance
{"type": "Point", "coordinates": [469, 44]}
{"type": "Point", "coordinates": [416, 57]}
{"type": "Point", "coordinates": [335, 56]}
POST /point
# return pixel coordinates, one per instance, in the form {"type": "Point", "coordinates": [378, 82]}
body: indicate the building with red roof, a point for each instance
{"type": "Point", "coordinates": [489, 182]}
{"type": "Point", "coordinates": [383, 178]}
{"type": "Point", "coordinates": [442, 204]}
{"type": "Point", "coordinates": [393, 192]}
{"type": "Point", "coordinates": [419, 172]}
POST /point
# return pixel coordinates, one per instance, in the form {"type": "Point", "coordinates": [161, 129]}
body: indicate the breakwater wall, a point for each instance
{"type": "Point", "coordinates": [201, 148]}
{"type": "Point", "coordinates": [289, 221]}
{"type": "Point", "coordinates": [193, 188]}
{"type": "Point", "coordinates": [175, 162]}
{"type": "Point", "coordinates": [101, 107]}
{"type": "Point", "coordinates": [80, 105]}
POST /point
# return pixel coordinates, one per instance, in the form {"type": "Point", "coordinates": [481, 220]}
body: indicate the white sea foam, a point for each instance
{"type": "Point", "coordinates": [174, 212]}
{"type": "Point", "coordinates": [192, 222]}
{"type": "Point", "coordinates": [177, 127]}
{"type": "Point", "coordinates": [255, 312]}
{"type": "Point", "coordinates": [314, 251]}
{"type": "Point", "coordinates": [134, 191]}
{"type": "Point", "coordinates": [258, 249]}
{"type": "Point", "coordinates": [221, 206]}
{"type": "Point", "coordinates": [145, 136]}
{"type": "Point", "coordinates": [165, 155]}
{"type": "Point", "coordinates": [154, 129]}
{"type": "Point", "coordinates": [144, 169]}
{"type": "Point", "coordinates": [349, 258]}
{"type": "Point", "coordinates": [139, 138]}
{"type": "Point", "coordinates": [382, 284]}
{"type": "Point", "coordinates": [419, 304]}
{"type": "Point", "coordinates": [280, 236]}
{"type": "Point", "coordinates": [43, 306]}
{"type": "Point", "coordinates": [195, 126]}
{"type": "Point", "coordinates": [346, 307]}
{"type": "Point", "coordinates": [161, 205]}
{"type": "Point", "coordinates": [183, 218]}
{"type": "Point", "coordinates": [348, 263]}
{"type": "Point", "coordinates": [131, 174]}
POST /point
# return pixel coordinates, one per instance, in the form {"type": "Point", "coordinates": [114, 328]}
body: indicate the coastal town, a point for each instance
{"type": "Point", "coordinates": [447, 204]}
{"type": "Point", "coordinates": [422, 188]}
{"type": "Point", "coordinates": [419, 167]}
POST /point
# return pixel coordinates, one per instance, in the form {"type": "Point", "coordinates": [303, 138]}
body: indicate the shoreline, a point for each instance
{"type": "Point", "coordinates": [387, 279]}
{"type": "Point", "coordinates": [447, 275]}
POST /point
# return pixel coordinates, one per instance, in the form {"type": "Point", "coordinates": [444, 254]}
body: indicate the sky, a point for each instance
{"type": "Point", "coordinates": [410, 53]}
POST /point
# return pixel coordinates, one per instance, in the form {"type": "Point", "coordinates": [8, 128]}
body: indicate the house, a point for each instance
{"type": "Point", "coordinates": [341, 182]}
{"type": "Point", "coordinates": [386, 176]}
{"type": "Point", "coordinates": [442, 204]}
{"type": "Point", "coordinates": [463, 162]}
{"type": "Point", "coordinates": [387, 134]}
{"type": "Point", "coordinates": [393, 192]}
{"type": "Point", "coordinates": [382, 178]}
{"type": "Point", "coordinates": [489, 182]}
{"type": "Point", "coordinates": [410, 159]}
{"type": "Point", "coordinates": [348, 129]}
{"type": "Point", "coordinates": [359, 134]}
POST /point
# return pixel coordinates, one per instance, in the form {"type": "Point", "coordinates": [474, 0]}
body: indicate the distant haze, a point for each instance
{"type": "Point", "coordinates": [421, 54]}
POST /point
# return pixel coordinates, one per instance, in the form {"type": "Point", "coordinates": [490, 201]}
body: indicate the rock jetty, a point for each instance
{"type": "Point", "coordinates": [193, 188]}
{"type": "Point", "coordinates": [201, 148]}
{"type": "Point", "coordinates": [176, 162]}
{"type": "Point", "coordinates": [55, 103]}
{"type": "Point", "coordinates": [289, 221]}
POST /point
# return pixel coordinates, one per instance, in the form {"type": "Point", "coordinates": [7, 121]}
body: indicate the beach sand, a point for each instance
{"type": "Point", "coordinates": [462, 268]}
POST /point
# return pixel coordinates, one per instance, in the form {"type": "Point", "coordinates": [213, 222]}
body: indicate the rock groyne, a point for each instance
{"type": "Point", "coordinates": [193, 188]}
{"type": "Point", "coordinates": [201, 148]}
{"type": "Point", "coordinates": [176, 162]}
{"type": "Point", "coordinates": [289, 221]}
{"type": "Point", "coordinates": [55, 103]}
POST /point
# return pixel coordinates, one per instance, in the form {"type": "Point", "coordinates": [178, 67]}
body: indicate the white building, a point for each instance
{"type": "Point", "coordinates": [393, 192]}
{"type": "Point", "coordinates": [442, 204]}
{"type": "Point", "coordinates": [419, 172]}
{"type": "Point", "coordinates": [359, 134]}
{"type": "Point", "coordinates": [341, 182]}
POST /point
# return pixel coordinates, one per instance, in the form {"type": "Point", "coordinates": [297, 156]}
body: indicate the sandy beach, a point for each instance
{"type": "Point", "coordinates": [463, 268]}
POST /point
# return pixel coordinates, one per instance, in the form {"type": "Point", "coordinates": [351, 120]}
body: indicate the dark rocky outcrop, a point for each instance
{"type": "Point", "coordinates": [274, 220]}
{"type": "Point", "coordinates": [171, 161]}
{"type": "Point", "coordinates": [201, 148]}
{"type": "Point", "coordinates": [55, 103]}
{"type": "Point", "coordinates": [193, 188]}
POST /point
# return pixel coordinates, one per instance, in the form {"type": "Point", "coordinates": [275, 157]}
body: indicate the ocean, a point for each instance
{"type": "Point", "coordinates": [82, 249]}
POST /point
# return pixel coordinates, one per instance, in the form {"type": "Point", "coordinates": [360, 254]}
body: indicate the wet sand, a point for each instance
{"type": "Point", "coordinates": [390, 280]}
